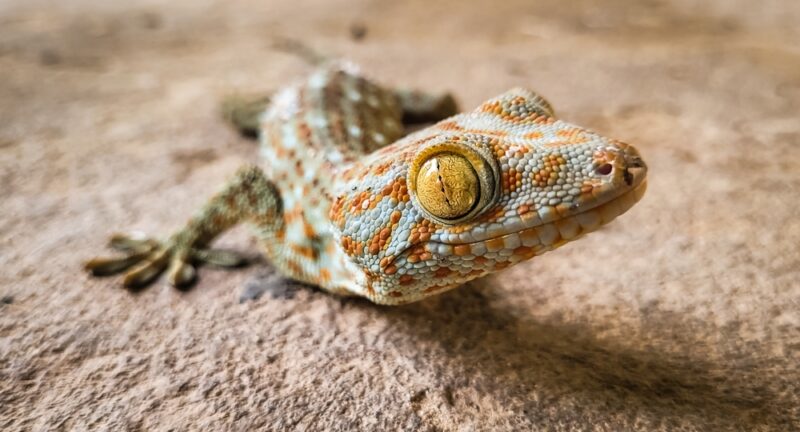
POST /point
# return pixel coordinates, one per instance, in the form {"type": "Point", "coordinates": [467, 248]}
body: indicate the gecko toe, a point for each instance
{"type": "Point", "coordinates": [136, 249]}
{"type": "Point", "coordinates": [181, 274]}
{"type": "Point", "coordinates": [106, 266]}
{"type": "Point", "coordinates": [146, 272]}
{"type": "Point", "coordinates": [135, 243]}
{"type": "Point", "coordinates": [218, 257]}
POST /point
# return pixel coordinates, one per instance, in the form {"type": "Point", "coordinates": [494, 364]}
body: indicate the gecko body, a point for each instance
{"type": "Point", "coordinates": [342, 200]}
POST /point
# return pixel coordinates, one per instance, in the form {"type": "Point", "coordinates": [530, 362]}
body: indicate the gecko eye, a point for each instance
{"type": "Point", "coordinates": [451, 182]}
{"type": "Point", "coordinates": [447, 186]}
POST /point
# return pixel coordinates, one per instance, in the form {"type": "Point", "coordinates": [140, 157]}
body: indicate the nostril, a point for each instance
{"type": "Point", "coordinates": [604, 169]}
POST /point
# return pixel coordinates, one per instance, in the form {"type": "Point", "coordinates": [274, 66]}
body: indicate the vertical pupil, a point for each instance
{"type": "Point", "coordinates": [447, 185]}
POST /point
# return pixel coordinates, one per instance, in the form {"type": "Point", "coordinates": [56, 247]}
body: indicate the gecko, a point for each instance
{"type": "Point", "coordinates": [343, 200]}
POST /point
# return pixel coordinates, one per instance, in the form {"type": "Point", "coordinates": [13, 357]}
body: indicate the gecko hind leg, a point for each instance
{"type": "Point", "coordinates": [422, 107]}
{"type": "Point", "coordinates": [244, 112]}
{"type": "Point", "coordinates": [248, 197]}
{"type": "Point", "coordinates": [417, 106]}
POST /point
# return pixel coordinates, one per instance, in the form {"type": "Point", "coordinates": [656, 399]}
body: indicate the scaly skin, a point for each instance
{"type": "Point", "coordinates": [342, 201]}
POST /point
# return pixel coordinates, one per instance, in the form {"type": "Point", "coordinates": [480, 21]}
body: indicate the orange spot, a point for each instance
{"type": "Point", "coordinates": [294, 266]}
{"type": "Point", "coordinates": [495, 244]}
{"type": "Point", "coordinates": [382, 168]}
{"type": "Point", "coordinates": [524, 252]}
{"type": "Point", "coordinates": [461, 250]}
{"type": "Point", "coordinates": [330, 247]}
{"type": "Point", "coordinates": [304, 251]}
{"type": "Point", "coordinates": [491, 107]}
{"type": "Point", "coordinates": [492, 214]}
{"type": "Point", "coordinates": [406, 279]}
{"type": "Point", "coordinates": [450, 125]}
{"type": "Point", "coordinates": [528, 236]}
{"type": "Point", "coordinates": [442, 272]}
{"type": "Point", "coordinates": [324, 275]}
{"type": "Point", "coordinates": [435, 288]}
{"type": "Point", "coordinates": [487, 132]}
{"type": "Point", "coordinates": [501, 265]}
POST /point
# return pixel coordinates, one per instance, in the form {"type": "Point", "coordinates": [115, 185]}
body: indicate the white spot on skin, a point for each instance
{"type": "Point", "coordinates": [318, 80]}
{"type": "Point", "coordinates": [354, 131]}
{"type": "Point", "coordinates": [373, 101]}
{"type": "Point", "coordinates": [318, 121]}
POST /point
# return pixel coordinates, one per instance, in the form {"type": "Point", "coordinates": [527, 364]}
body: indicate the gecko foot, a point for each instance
{"type": "Point", "coordinates": [144, 259]}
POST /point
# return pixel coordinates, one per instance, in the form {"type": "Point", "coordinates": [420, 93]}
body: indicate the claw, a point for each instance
{"type": "Point", "coordinates": [146, 272]}
{"type": "Point", "coordinates": [181, 273]}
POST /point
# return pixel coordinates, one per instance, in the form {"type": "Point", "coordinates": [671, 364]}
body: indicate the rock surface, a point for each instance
{"type": "Point", "coordinates": [683, 314]}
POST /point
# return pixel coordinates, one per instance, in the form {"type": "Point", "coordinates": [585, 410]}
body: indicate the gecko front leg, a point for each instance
{"type": "Point", "coordinates": [248, 197]}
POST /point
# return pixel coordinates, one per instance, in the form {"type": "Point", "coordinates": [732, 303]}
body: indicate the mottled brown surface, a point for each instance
{"type": "Point", "coordinates": [681, 314]}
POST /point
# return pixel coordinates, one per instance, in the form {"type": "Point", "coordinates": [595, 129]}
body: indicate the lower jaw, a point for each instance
{"type": "Point", "coordinates": [524, 244]}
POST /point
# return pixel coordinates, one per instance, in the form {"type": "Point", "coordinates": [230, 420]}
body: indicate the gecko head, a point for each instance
{"type": "Point", "coordinates": [476, 194]}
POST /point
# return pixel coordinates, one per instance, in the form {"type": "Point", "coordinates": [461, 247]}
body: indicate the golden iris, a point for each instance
{"type": "Point", "coordinates": [448, 186]}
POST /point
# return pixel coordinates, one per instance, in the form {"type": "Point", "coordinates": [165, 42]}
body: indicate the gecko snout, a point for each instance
{"type": "Point", "coordinates": [627, 165]}
{"type": "Point", "coordinates": [635, 169]}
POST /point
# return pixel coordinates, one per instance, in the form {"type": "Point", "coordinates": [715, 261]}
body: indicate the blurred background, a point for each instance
{"type": "Point", "coordinates": [682, 314]}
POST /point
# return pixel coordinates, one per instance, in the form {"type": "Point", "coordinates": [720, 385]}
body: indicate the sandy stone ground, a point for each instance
{"type": "Point", "coordinates": [681, 315]}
